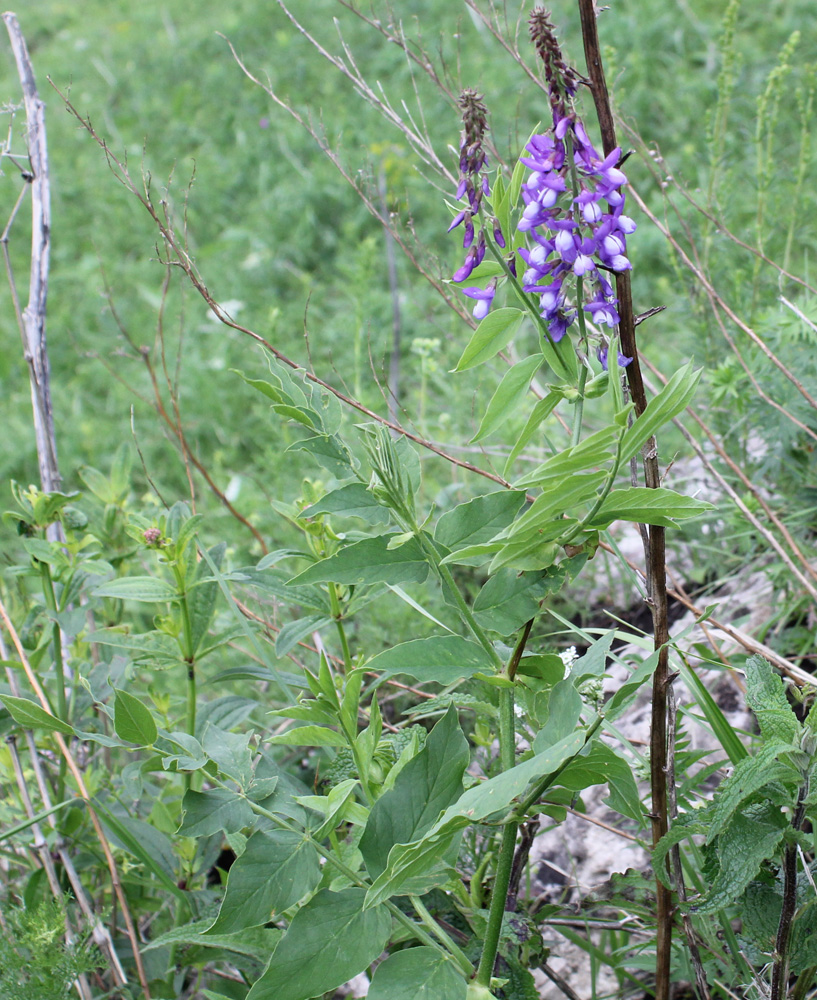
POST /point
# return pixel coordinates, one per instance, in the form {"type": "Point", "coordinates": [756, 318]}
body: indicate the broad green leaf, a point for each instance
{"type": "Point", "coordinates": [274, 872]}
{"type": "Point", "coordinates": [600, 764]}
{"type": "Point", "coordinates": [330, 940]}
{"type": "Point", "coordinates": [479, 519]}
{"type": "Point", "coordinates": [766, 696]}
{"type": "Point", "coordinates": [508, 395]}
{"type": "Point", "coordinates": [273, 581]}
{"type": "Point", "coordinates": [441, 658]}
{"type": "Point", "coordinates": [417, 974]}
{"type": "Point", "coordinates": [331, 452]}
{"type": "Point", "coordinates": [132, 720]}
{"type": "Point", "coordinates": [182, 750]}
{"type": "Point", "coordinates": [493, 333]}
{"type": "Point", "coordinates": [230, 751]}
{"type": "Point", "coordinates": [626, 693]}
{"type": "Point", "coordinates": [675, 396]}
{"type": "Point", "coordinates": [369, 561]}
{"type": "Point", "coordinates": [752, 836]}
{"type": "Point", "coordinates": [508, 600]}
{"type": "Point", "coordinates": [559, 498]}
{"type": "Point", "coordinates": [256, 941]}
{"type": "Point", "coordinates": [31, 716]}
{"type": "Point", "coordinates": [217, 809]}
{"type": "Point", "coordinates": [564, 709]}
{"type": "Point", "coordinates": [594, 450]}
{"type": "Point", "coordinates": [45, 552]}
{"type": "Point", "coordinates": [310, 736]}
{"type": "Point", "coordinates": [646, 506]}
{"type": "Point", "coordinates": [428, 783]}
{"type": "Point", "coordinates": [352, 500]}
{"type": "Point", "coordinates": [592, 663]}
{"type": "Point", "coordinates": [496, 795]}
{"type": "Point", "coordinates": [138, 588]}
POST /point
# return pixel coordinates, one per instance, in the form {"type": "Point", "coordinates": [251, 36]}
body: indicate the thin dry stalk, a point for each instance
{"type": "Point", "coordinates": [34, 314]}
{"type": "Point", "coordinates": [83, 791]}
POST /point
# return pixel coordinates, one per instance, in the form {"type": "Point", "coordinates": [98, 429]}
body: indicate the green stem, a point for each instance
{"type": "Point", "coordinates": [59, 666]}
{"type": "Point", "coordinates": [445, 575]}
{"type": "Point", "coordinates": [188, 654]}
{"type": "Point", "coordinates": [457, 953]}
{"type": "Point", "coordinates": [608, 485]}
{"type": "Point", "coordinates": [804, 981]}
{"type": "Point", "coordinates": [337, 614]}
{"type": "Point", "coordinates": [541, 326]}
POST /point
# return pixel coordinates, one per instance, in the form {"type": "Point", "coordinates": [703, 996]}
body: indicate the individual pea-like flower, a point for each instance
{"type": "Point", "coordinates": [484, 297]}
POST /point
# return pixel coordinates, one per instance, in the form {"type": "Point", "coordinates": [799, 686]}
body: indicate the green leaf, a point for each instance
{"type": "Point", "coordinates": [352, 500]}
{"type": "Point", "coordinates": [138, 588]}
{"type": "Point", "coordinates": [213, 811]}
{"type": "Point", "coordinates": [766, 696]}
{"type": "Point", "coordinates": [275, 871]}
{"type": "Point", "coordinates": [148, 845]}
{"type": "Point", "coordinates": [140, 646]}
{"type": "Point", "coordinates": [508, 600]}
{"type": "Point", "coordinates": [594, 450]}
{"type": "Point", "coordinates": [330, 940]}
{"type": "Point", "coordinates": [645, 506]}
{"type": "Point", "coordinates": [749, 776]}
{"type": "Point", "coordinates": [201, 599]}
{"type": "Point", "coordinates": [564, 709]}
{"type": "Point", "coordinates": [485, 799]}
{"type": "Point", "coordinates": [751, 838]}
{"type": "Point", "coordinates": [417, 974]}
{"type": "Point", "coordinates": [255, 942]}
{"type": "Point", "coordinates": [721, 727]}
{"type": "Point", "coordinates": [369, 561]}
{"type": "Point", "coordinates": [132, 720]}
{"type": "Point", "coordinates": [493, 333]}
{"type": "Point", "coordinates": [599, 764]}
{"type": "Point", "coordinates": [296, 631]}
{"type": "Point", "coordinates": [428, 783]}
{"type": "Point", "coordinates": [310, 736]}
{"type": "Point", "coordinates": [508, 395]}
{"type": "Point", "coordinates": [331, 452]}
{"type": "Point", "coordinates": [230, 751]}
{"type": "Point", "coordinates": [441, 658]}
{"type": "Point", "coordinates": [674, 397]}
{"type": "Point", "coordinates": [543, 408]}
{"type": "Point", "coordinates": [30, 715]}
{"type": "Point", "coordinates": [478, 520]}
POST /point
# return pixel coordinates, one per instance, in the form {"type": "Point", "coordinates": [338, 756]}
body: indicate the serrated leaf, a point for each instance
{"type": "Point", "coordinates": [647, 506]}
{"type": "Point", "coordinates": [132, 720]}
{"type": "Point", "coordinates": [330, 940]}
{"type": "Point", "coordinates": [275, 871]}
{"type": "Point", "coordinates": [417, 974]}
{"type": "Point", "coordinates": [369, 561]}
{"type": "Point", "coordinates": [752, 836]}
{"type": "Point", "coordinates": [440, 658]}
{"type": "Point", "coordinates": [766, 696]}
{"type": "Point", "coordinates": [218, 809]}
{"type": "Point", "coordinates": [138, 588]}
{"type": "Point", "coordinates": [31, 716]}
{"type": "Point", "coordinates": [508, 395]}
{"type": "Point", "coordinates": [493, 333]}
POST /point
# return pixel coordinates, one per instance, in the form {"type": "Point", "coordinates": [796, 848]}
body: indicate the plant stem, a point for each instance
{"type": "Point", "coordinates": [188, 654]}
{"type": "Point", "coordinates": [780, 965]}
{"type": "Point", "coordinates": [59, 666]}
{"type": "Point", "coordinates": [337, 615]}
{"type": "Point", "coordinates": [457, 953]}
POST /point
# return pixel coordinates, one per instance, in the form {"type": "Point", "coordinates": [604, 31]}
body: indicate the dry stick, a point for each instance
{"type": "Point", "coordinates": [33, 315]}
{"type": "Point", "coordinates": [655, 553]}
{"type": "Point", "coordinates": [83, 791]}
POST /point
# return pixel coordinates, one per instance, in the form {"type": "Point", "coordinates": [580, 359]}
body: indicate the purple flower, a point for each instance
{"type": "Point", "coordinates": [484, 297]}
{"type": "Point", "coordinates": [602, 356]}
